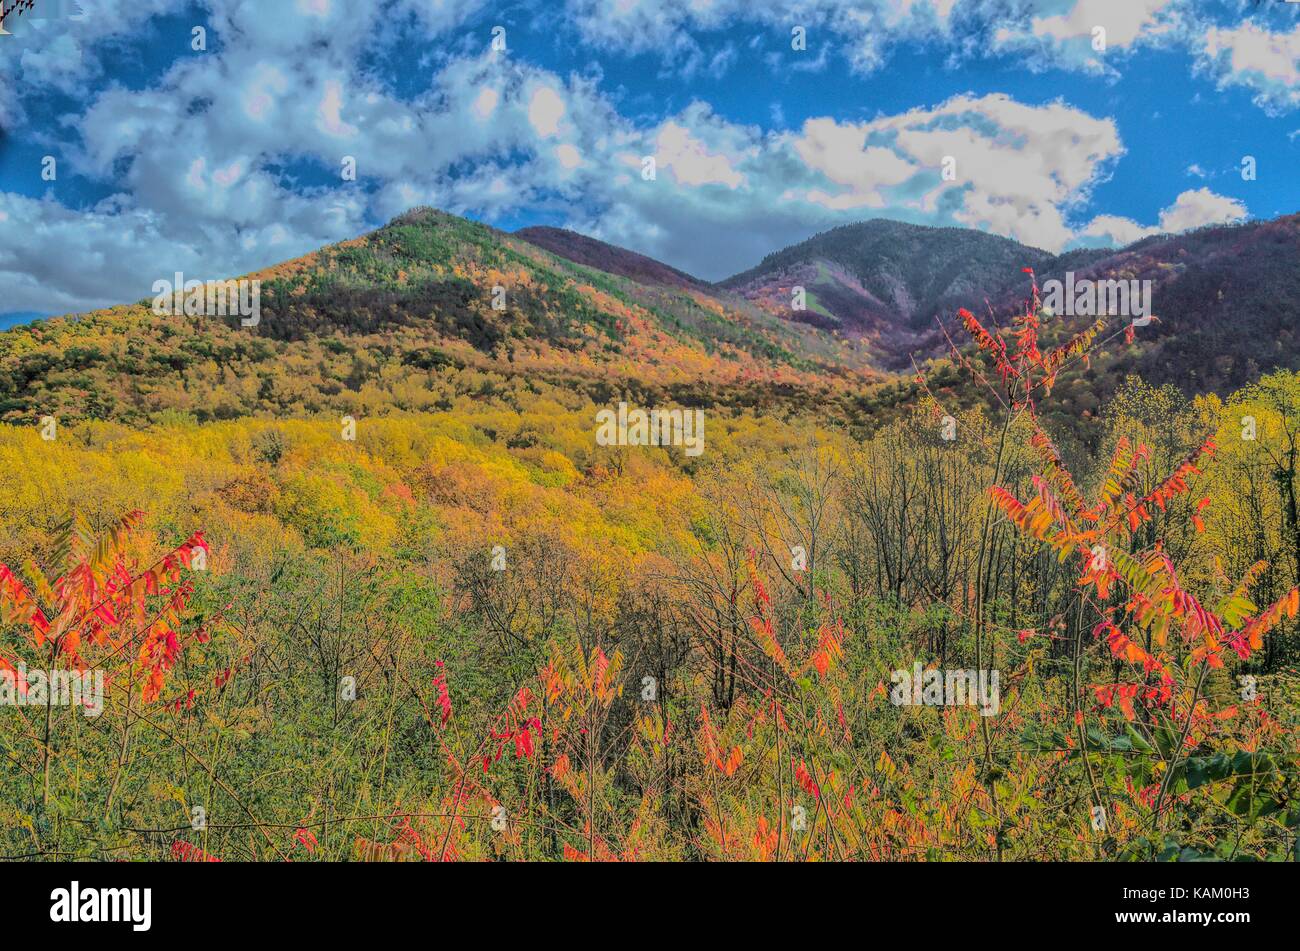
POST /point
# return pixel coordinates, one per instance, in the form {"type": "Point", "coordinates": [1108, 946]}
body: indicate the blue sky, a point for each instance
{"type": "Point", "coordinates": [1060, 122]}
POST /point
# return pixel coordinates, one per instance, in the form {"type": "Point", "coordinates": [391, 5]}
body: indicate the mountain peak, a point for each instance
{"type": "Point", "coordinates": [885, 280]}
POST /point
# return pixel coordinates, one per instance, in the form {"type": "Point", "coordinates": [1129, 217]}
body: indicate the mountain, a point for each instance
{"type": "Point", "coordinates": [1226, 300]}
{"type": "Point", "coordinates": [432, 308]}
{"type": "Point", "coordinates": [607, 257]}
{"type": "Point", "coordinates": [427, 309]}
{"type": "Point", "coordinates": [885, 281]}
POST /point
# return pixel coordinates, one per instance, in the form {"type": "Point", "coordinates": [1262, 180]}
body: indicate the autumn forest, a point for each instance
{"type": "Point", "coordinates": [362, 581]}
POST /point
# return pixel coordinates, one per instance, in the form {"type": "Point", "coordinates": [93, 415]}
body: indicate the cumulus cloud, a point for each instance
{"type": "Point", "coordinates": [1019, 171]}
{"type": "Point", "coordinates": [1056, 34]}
{"type": "Point", "coordinates": [841, 154]}
{"type": "Point", "coordinates": [545, 110]}
{"type": "Point", "coordinates": [1086, 34]}
{"type": "Point", "coordinates": [197, 159]}
{"type": "Point", "coordinates": [494, 136]}
{"type": "Point", "coordinates": [1195, 209]}
{"type": "Point", "coordinates": [1192, 209]}
{"type": "Point", "coordinates": [1113, 231]}
{"type": "Point", "coordinates": [690, 159]}
{"type": "Point", "coordinates": [1094, 36]}
{"type": "Point", "coordinates": [230, 160]}
{"type": "Point", "coordinates": [52, 52]}
{"type": "Point", "coordinates": [39, 239]}
{"type": "Point", "coordinates": [1015, 169]}
{"type": "Point", "coordinates": [859, 30]}
{"type": "Point", "coordinates": [1264, 62]}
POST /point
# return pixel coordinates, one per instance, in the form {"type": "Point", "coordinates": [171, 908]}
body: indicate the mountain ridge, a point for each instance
{"type": "Point", "coordinates": [611, 258]}
{"type": "Point", "coordinates": [893, 285]}
{"type": "Point", "coordinates": [378, 320]}
{"type": "Point", "coordinates": [381, 317]}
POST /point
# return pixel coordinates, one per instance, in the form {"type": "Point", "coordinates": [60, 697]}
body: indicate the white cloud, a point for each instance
{"type": "Point", "coordinates": [840, 153]}
{"type": "Point", "coordinates": [330, 113]}
{"type": "Point", "coordinates": [199, 159]}
{"type": "Point", "coordinates": [568, 156]}
{"type": "Point", "coordinates": [1266, 63]}
{"type": "Point", "coordinates": [1123, 21]}
{"type": "Point", "coordinates": [1195, 209]}
{"type": "Point", "coordinates": [1040, 34]}
{"type": "Point", "coordinates": [1044, 33]}
{"type": "Point", "coordinates": [1018, 168]}
{"type": "Point", "coordinates": [51, 54]}
{"type": "Point", "coordinates": [519, 137]}
{"type": "Point", "coordinates": [194, 158]}
{"type": "Point", "coordinates": [1086, 34]}
{"type": "Point", "coordinates": [485, 103]}
{"type": "Point", "coordinates": [1192, 209]}
{"type": "Point", "coordinates": [1113, 230]}
{"type": "Point", "coordinates": [858, 30]}
{"type": "Point", "coordinates": [56, 260]}
{"type": "Point", "coordinates": [690, 159]}
{"type": "Point", "coordinates": [545, 110]}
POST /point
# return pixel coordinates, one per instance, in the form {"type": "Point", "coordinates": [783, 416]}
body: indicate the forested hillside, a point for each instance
{"type": "Point", "coordinates": [1225, 296]}
{"type": "Point", "coordinates": [454, 625]}
{"type": "Point", "coordinates": [887, 280]}
{"type": "Point", "coordinates": [607, 257]}
{"type": "Point", "coordinates": [1226, 300]}
{"type": "Point", "coordinates": [407, 317]}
